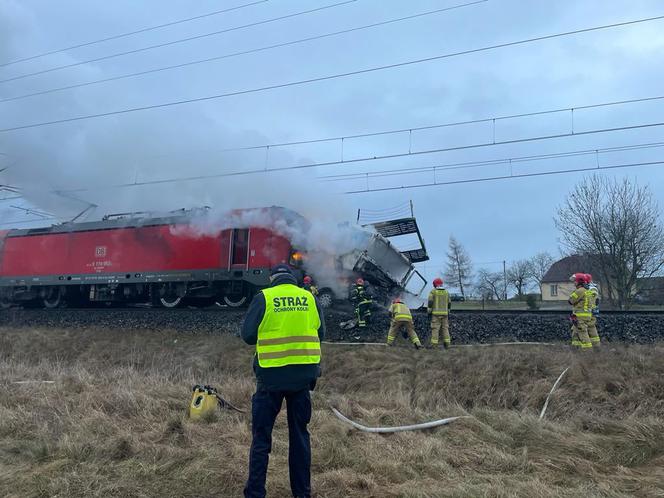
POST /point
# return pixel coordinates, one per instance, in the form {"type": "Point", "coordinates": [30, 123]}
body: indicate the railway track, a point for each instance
{"type": "Point", "coordinates": [228, 309]}
{"type": "Point", "coordinates": [467, 326]}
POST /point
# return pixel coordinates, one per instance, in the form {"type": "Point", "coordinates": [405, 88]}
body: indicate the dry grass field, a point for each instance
{"type": "Point", "coordinates": [114, 422]}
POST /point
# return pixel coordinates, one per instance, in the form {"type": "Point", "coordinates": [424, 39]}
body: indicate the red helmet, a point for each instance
{"type": "Point", "coordinates": [360, 281]}
{"type": "Point", "coordinates": [307, 279]}
{"type": "Point", "coordinates": [437, 282]}
{"type": "Point", "coordinates": [589, 278]}
{"type": "Point", "coordinates": [579, 278]}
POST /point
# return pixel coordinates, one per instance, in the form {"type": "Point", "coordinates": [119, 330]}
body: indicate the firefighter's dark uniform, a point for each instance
{"type": "Point", "coordinates": [401, 317]}
{"type": "Point", "coordinates": [581, 314]}
{"type": "Point", "coordinates": [286, 325]}
{"type": "Point", "coordinates": [438, 307]}
{"type": "Point", "coordinates": [363, 303]}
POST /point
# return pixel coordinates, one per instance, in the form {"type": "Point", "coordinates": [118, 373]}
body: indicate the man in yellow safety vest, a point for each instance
{"type": "Point", "coordinates": [401, 317]}
{"type": "Point", "coordinates": [286, 325]}
{"type": "Point", "coordinates": [438, 307]}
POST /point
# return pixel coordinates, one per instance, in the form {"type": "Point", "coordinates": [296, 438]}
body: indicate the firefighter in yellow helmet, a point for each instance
{"type": "Point", "coordinates": [593, 301]}
{"type": "Point", "coordinates": [401, 318]}
{"type": "Point", "coordinates": [581, 312]}
{"type": "Point", "coordinates": [438, 307]}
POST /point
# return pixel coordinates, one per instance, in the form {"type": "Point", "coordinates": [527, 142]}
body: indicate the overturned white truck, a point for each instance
{"type": "Point", "coordinates": [387, 270]}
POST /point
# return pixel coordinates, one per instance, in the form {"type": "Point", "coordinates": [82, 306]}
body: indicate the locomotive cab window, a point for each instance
{"type": "Point", "coordinates": [240, 249]}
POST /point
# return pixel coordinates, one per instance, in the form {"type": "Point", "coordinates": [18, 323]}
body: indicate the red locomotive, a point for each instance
{"type": "Point", "coordinates": [131, 259]}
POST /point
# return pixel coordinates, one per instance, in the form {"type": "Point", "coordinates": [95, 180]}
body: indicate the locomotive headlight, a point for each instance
{"type": "Point", "coordinates": [296, 259]}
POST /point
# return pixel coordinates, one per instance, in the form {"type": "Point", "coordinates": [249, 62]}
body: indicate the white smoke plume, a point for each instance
{"type": "Point", "coordinates": [159, 160]}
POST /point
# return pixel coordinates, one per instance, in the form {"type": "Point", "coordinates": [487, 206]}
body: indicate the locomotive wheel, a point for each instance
{"type": "Point", "coordinates": [166, 296]}
{"type": "Point", "coordinates": [5, 303]}
{"type": "Point", "coordinates": [53, 299]}
{"type": "Point", "coordinates": [234, 301]}
{"type": "Point", "coordinates": [170, 301]}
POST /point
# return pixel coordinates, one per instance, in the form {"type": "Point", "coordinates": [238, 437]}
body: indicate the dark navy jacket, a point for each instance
{"type": "Point", "coordinates": [290, 377]}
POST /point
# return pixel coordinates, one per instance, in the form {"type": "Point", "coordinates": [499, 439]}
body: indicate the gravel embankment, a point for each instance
{"type": "Point", "coordinates": [464, 327]}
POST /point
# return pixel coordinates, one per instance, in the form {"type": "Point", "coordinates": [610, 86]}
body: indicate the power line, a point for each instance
{"type": "Point", "coordinates": [328, 77]}
{"type": "Point", "coordinates": [507, 177]}
{"type": "Point", "coordinates": [174, 42]}
{"type": "Point", "coordinates": [477, 180]}
{"type": "Point", "coordinates": [368, 159]}
{"type": "Point", "coordinates": [488, 162]}
{"type": "Point", "coordinates": [122, 35]}
{"type": "Point", "coordinates": [244, 52]}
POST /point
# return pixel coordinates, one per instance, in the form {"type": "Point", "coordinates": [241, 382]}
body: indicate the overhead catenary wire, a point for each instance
{"type": "Point", "coordinates": [407, 187]}
{"type": "Point", "coordinates": [376, 158]}
{"type": "Point", "coordinates": [174, 42]}
{"type": "Point", "coordinates": [240, 53]}
{"type": "Point", "coordinates": [135, 32]}
{"type": "Point", "coordinates": [364, 159]}
{"type": "Point", "coordinates": [450, 124]}
{"type": "Point", "coordinates": [487, 162]}
{"type": "Point", "coordinates": [327, 77]}
{"type": "Point", "coordinates": [507, 177]}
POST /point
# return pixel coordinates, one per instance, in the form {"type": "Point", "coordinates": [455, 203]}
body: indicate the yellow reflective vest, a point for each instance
{"type": "Point", "coordinates": [580, 301]}
{"type": "Point", "coordinates": [438, 304]}
{"type": "Point", "coordinates": [400, 312]}
{"type": "Point", "coordinates": [288, 333]}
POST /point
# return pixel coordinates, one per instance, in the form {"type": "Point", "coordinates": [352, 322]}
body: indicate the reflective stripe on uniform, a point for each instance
{"type": "Point", "coordinates": [288, 340]}
{"type": "Point", "coordinates": [289, 352]}
{"type": "Point", "coordinates": [401, 312]}
{"type": "Point", "coordinates": [439, 300]}
{"type": "Point", "coordinates": [288, 332]}
{"type": "Point", "coordinates": [582, 306]}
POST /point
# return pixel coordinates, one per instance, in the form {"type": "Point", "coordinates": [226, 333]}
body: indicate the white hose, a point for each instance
{"type": "Point", "coordinates": [546, 402]}
{"type": "Point", "coordinates": [505, 344]}
{"type": "Point", "coordinates": [425, 425]}
{"type": "Point", "coordinates": [34, 382]}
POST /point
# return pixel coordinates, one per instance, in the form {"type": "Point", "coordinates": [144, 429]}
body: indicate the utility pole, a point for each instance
{"type": "Point", "coordinates": [504, 281]}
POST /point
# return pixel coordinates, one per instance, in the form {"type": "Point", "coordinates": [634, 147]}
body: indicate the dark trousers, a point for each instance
{"type": "Point", "coordinates": [265, 406]}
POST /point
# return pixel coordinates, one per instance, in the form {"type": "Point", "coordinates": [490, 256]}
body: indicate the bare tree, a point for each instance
{"type": "Point", "coordinates": [539, 265]}
{"type": "Point", "coordinates": [617, 224]}
{"type": "Point", "coordinates": [489, 284]}
{"type": "Point", "coordinates": [519, 275]}
{"type": "Point", "coordinates": [459, 268]}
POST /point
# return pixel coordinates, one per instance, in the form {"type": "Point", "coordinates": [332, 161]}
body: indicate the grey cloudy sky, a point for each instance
{"type": "Point", "coordinates": [506, 219]}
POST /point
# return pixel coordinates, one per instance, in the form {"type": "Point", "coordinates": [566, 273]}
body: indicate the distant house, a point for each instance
{"type": "Point", "coordinates": [556, 285]}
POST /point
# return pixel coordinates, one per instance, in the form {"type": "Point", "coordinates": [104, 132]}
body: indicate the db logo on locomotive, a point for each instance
{"type": "Point", "coordinates": [100, 251]}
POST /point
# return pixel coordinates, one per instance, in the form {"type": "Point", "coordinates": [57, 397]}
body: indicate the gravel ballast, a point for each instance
{"type": "Point", "coordinates": [465, 327]}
